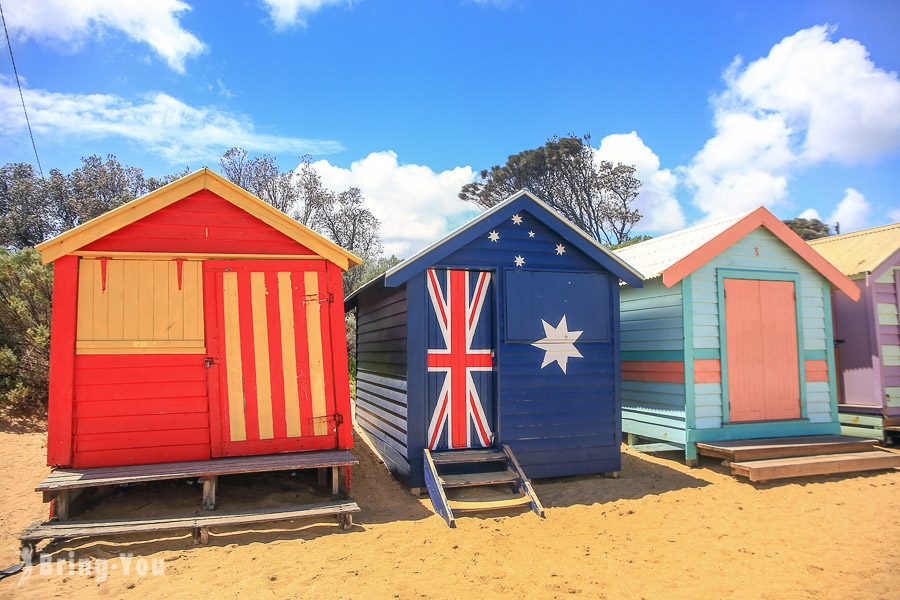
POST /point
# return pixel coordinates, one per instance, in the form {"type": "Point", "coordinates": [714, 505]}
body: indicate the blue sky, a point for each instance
{"type": "Point", "coordinates": [408, 100]}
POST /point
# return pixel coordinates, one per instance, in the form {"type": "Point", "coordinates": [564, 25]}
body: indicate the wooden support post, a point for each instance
{"type": "Point", "coordinates": [692, 462]}
{"type": "Point", "coordinates": [209, 492]}
{"type": "Point", "coordinates": [344, 489]}
{"type": "Point", "coordinates": [204, 535]}
{"type": "Point", "coordinates": [335, 481]}
{"type": "Point", "coordinates": [28, 552]}
{"type": "Point", "coordinates": [612, 474]}
{"type": "Point", "coordinates": [61, 505]}
{"type": "Point", "coordinates": [346, 521]}
{"type": "Point", "coordinates": [631, 439]}
{"type": "Point", "coordinates": [195, 533]}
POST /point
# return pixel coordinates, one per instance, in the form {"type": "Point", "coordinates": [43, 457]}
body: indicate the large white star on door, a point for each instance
{"type": "Point", "coordinates": [558, 344]}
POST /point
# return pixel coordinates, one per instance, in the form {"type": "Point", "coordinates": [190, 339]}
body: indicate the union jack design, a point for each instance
{"type": "Point", "coordinates": [458, 310]}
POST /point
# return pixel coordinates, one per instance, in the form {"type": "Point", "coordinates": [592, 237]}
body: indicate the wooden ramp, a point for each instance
{"type": "Point", "coordinates": [63, 485]}
{"type": "Point", "coordinates": [476, 468]}
{"type": "Point", "coordinates": [781, 458]}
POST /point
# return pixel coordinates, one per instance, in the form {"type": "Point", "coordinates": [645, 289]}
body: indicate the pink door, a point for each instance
{"type": "Point", "coordinates": [761, 338]}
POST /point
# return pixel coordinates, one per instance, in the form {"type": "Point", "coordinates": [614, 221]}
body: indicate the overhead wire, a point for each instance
{"type": "Point", "coordinates": [21, 95]}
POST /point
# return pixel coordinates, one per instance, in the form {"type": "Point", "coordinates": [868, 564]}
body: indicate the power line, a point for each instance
{"type": "Point", "coordinates": [21, 96]}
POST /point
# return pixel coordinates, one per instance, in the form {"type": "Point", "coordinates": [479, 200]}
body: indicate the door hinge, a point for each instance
{"type": "Point", "coordinates": [209, 361]}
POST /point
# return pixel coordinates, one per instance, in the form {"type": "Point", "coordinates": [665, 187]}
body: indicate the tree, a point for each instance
{"type": "Point", "coordinates": [809, 229]}
{"type": "Point", "coordinates": [25, 218]}
{"type": "Point", "coordinates": [261, 176]}
{"type": "Point", "coordinates": [595, 195]}
{"type": "Point", "coordinates": [631, 242]}
{"type": "Point", "coordinates": [350, 225]}
{"type": "Point", "coordinates": [25, 288]}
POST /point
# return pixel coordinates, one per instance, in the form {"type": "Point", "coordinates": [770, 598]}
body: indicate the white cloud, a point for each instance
{"type": "Point", "coordinates": [657, 202]}
{"type": "Point", "coordinates": [831, 92]}
{"type": "Point", "coordinates": [71, 22]}
{"type": "Point", "coordinates": [290, 13]}
{"type": "Point", "coordinates": [810, 213]}
{"type": "Point", "coordinates": [852, 212]}
{"type": "Point", "coordinates": [161, 124]}
{"type": "Point", "coordinates": [894, 215]}
{"type": "Point", "coordinates": [416, 205]}
{"type": "Point", "coordinates": [810, 100]}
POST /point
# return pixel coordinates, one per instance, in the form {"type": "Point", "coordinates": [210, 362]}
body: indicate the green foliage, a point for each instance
{"type": "Point", "coordinates": [597, 196]}
{"type": "Point", "coordinates": [631, 241]}
{"type": "Point", "coordinates": [25, 291]}
{"type": "Point", "coordinates": [808, 229]}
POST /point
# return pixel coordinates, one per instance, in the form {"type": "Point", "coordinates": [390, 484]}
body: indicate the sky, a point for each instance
{"type": "Point", "coordinates": [721, 106]}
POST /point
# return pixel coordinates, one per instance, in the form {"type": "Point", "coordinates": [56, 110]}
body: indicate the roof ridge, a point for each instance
{"type": "Point", "coordinates": [852, 234]}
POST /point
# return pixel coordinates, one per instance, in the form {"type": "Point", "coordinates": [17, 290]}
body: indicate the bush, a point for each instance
{"type": "Point", "coordinates": [25, 291]}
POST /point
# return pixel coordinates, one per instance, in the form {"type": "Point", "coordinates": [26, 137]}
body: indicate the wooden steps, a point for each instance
{"type": "Point", "coordinates": [759, 449]}
{"type": "Point", "coordinates": [476, 479]}
{"type": "Point", "coordinates": [455, 457]}
{"type": "Point", "coordinates": [468, 471]}
{"type": "Point", "coordinates": [198, 524]}
{"type": "Point", "coordinates": [826, 464]}
{"type": "Point", "coordinates": [781, 458]}
{"type": "Point", "coordinates": [479, 505]}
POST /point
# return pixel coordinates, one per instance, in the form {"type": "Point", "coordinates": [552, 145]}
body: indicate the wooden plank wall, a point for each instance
{"type": "Point", "coordinates": [887, 289]}
{"type": "Point", "coordinates": [653, 392]}
{"type": "Point", "coordinates": [139, 306]}
{"type": "Point", "coordinates": [381, 399]}
{"type": "Point", "coordinates": [201, 222]}
{"type": "Point", "coordinates": [140, 408]}
{"type": "Point", "coordinates": [760, 250]}
{"type": "Point", "coordinates": [556, 424]}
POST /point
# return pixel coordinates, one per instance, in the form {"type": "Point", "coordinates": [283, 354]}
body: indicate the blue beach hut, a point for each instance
{"type": "Point", "coordinates": [503, 337]}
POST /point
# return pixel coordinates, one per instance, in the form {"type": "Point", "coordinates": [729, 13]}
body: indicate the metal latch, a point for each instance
{"type": "Point", "coordinates": [209, 361]}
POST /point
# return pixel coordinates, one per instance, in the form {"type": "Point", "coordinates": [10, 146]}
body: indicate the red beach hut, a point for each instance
{"type": "Point", "coordinates": [193, 323]}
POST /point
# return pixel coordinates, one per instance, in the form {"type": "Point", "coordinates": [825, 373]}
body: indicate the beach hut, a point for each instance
{"type": "Point", "coordinates": [502, 338]}
{"type": "Point", "coordinates": [728, 348]}
{"type": "Point", "coordinates": [867, 332]}
{"type": "Point", "coordinates": [193, 323]}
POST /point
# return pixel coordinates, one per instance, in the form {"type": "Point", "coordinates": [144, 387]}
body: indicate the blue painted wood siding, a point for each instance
{"type": "Point", "coordinates": [653, 330]}
{"type": "Point", "coordinates": [762, 251]}
{"type": "Point", "coordinates": [381, 389]}
{"type": "Point", "coordinates": [557, 424]}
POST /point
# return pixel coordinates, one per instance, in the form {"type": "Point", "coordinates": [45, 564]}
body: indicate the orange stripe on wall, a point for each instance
{"type": "Point", "coordinates": [662, 371]}
{"type": "Point", "coordinates": [707, 370]}
{"type": "Point", "coordinates": [817, 370]}
{"type": "Point", "coordinates": [665, 371]}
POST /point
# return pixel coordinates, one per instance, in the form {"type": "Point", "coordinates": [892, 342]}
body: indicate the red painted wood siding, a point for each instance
{"type": "Point", "coordinates": [62, 361]}
{"type": "Point", "coordinates": [816, 370]}
{"type": "Point", "coordinates": [761, 338]}
{"type": "Point", "coordinates": [665, 371]}
{"type": "Point", "coordinates": [201, 222]}
{"type": "Point", "coordinates": [140, 408]}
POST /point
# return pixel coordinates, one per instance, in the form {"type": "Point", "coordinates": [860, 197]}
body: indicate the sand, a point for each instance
{"type": "Point", "coordinates": [662, 530]}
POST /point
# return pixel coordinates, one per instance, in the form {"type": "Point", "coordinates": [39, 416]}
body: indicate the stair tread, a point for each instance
{"type": "Point", "coordinates": [473, 479]}
{"type": "Point", "coordinates": [464, 505]}
{"type": "Point", "coordinates": [825, 464]}
{"type": "Point", "coordinates": [450, 457]}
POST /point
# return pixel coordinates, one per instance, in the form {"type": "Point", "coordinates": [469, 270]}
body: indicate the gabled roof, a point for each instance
{"type": "Point", "coordinates": [676, 255]}
{"type": "Point", "coordinates": [860, 251]}
{"type": "Point", "coordinates": [521, 200]}
{"type": "Point", "coordinates": [203, 179]}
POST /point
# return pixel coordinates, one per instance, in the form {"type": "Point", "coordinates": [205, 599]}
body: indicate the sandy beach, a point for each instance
{"type": "Point", "coordinates": [661, 530]}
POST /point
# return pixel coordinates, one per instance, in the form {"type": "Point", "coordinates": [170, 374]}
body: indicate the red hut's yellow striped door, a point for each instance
{"type": "Point", "coordinates": [271, 377]}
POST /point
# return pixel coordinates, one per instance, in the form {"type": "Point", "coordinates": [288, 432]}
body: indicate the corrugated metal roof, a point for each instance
{"type": "Point", "coordinates": [859, 251]}
{"type": "Point", "coordinates": [654, 256]}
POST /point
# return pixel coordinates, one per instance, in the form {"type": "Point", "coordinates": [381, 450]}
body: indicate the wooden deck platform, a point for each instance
{"type": "Point", "coordinates": [198, 524]}
{"type": "Point", "coordinates": [68, 479]}
{"type": "Point", "coordinates": [826, 464]}
{"type": "Point", "coordinates": [767, 448]}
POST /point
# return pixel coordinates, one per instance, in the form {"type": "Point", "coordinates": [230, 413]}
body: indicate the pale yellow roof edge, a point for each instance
{"type": "Point", "coordinates": [861, 251]}
{"type": "Point", "coordinates": [204, 178]}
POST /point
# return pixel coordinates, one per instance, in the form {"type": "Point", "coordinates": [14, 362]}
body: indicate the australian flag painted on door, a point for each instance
{"type": "Point", "coordinates": [460, 359]}
{"type": "Point", "coordinates": [505, 332]}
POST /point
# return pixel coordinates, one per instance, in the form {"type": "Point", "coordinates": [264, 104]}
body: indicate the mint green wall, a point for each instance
{"type": "Point", "coordinates": [652, 330]}
{"type": "Point", "coordinates": [760, 250]}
